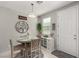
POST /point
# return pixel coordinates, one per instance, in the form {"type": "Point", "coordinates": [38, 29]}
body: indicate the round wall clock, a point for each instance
{"type": "Point", "coordinates": [21, 27]}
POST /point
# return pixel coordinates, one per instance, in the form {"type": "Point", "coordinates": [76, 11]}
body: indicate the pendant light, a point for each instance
{"type": "Point", "coordinates": [31, 15]}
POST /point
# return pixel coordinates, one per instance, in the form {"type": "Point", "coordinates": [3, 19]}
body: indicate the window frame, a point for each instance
{"type": "Point", "coordinates": [49, 26]}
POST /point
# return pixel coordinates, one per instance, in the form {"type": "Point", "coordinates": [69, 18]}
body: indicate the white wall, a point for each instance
{"type": "Point", "coordinates": [32, 27]}
{"type": "Point", "coordinates": [8, 19]}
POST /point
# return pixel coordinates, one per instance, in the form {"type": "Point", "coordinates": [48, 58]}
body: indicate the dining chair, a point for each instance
{"type": "Point", "coordinates": [28, 50]}
{"type": "Point", "coordinates": [16, 50]}
{"type": "Point", "coordinates": [35, 48]}
{"type": "Point", "coordinates": [27, 46]}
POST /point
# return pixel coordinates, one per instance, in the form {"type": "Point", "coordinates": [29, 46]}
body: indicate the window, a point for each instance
{"type": "Point", "coordinates": [46, 25]}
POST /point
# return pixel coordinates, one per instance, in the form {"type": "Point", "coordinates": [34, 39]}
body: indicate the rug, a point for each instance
{"type": "Point", "coordinates": [62, 54]}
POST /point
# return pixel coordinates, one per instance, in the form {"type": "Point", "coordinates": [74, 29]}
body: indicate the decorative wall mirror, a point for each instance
{"type": "Point", "coordinates": [21, 27]}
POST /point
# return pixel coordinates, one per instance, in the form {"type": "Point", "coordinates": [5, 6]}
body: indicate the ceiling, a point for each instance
{"type": "Point", "coordinates": [39, 9]}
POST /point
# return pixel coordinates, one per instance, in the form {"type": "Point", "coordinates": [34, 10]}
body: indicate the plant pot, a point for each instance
{"type": "Point", "coordinates": [39, 35]}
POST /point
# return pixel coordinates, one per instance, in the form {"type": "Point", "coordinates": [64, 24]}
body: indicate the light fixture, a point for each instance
{"type": "Point", "coordinates": [31, 15]}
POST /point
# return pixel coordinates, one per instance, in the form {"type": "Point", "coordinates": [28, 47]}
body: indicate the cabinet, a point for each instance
{"type": "Point", "coordinates": [44, 42]}
{"type": "Point", "coordinates": [48, 43]}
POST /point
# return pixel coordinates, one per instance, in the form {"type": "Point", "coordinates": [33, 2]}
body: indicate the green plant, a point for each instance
{"type": "Point", "coordinates": [39, 27]}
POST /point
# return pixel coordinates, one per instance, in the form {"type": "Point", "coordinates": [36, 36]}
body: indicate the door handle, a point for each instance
{"type": "Point", "coordinates": [75, 38]}
{"type": "Point", "coordinates": [75, 35]}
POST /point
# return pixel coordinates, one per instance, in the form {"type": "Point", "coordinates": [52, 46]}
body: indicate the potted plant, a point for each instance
{"type": "Point", "coordinates": [39, 29]}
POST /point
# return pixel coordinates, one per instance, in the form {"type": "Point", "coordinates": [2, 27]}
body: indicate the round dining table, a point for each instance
{"type": "Point", "coordinates": [25, 42]}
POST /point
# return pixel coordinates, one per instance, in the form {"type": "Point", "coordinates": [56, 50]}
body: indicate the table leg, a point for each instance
{"type": "Point", "coordinates": [25, 50]}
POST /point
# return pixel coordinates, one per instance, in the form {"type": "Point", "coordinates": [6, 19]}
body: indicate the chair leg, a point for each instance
{"type": "Point", "coordinates": [11, 53]}
{"type": "Point", "coordinates": [22, 52]}
{"type": "Point", "coordinates": [26, 54]}
{"type": "Point", "coordinates": [31, 54]}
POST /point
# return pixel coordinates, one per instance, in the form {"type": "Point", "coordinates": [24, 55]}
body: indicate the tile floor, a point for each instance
{"type": "Point", "coordinates": [44, 51]}
{"type": "Point", "coordinates": [47, 54]}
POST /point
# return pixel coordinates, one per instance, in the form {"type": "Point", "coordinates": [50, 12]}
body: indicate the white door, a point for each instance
{"type": "Point", "coordinates": [67, 29]}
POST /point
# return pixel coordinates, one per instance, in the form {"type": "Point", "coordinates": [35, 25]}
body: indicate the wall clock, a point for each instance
{"type": "Point", "coordinates": [21, 27]}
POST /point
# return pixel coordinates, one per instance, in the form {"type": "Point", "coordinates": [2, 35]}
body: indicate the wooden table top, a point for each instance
{"type": "Point", "coordinates": [26, 40]}
{"type": "Point", "coordinates": [23, 41]}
